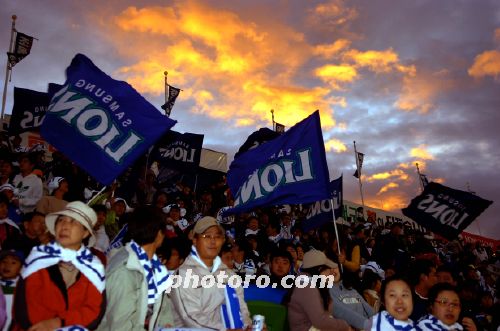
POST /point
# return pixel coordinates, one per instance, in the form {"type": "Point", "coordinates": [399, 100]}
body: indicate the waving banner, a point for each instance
{"type": "Point", "coordinates": [289, 169]}
{"type": "Point", "coordinates": [100, 123]}
{"type": "Point", "coordinates": [444, 210]}
{"type": "Point", "coordinates": [320, 212]}
{"type": "Point", "coordinates": [181, 151]}
{"type": "Point", "coordinates": [28, 111]}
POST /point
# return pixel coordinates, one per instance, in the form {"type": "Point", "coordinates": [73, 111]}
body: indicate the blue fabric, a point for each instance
{"type": "Point", "coordinates": [231, 314]}
{"type": "Point", "coordinates": [181, 151]}
{"type": "Point", "coordinates": [268, 294]}
{"type": "Point", "coordinates": [100, 123]}
{"type": "Point", "coordinates": [320, 212]}
{"type": "Point", "coordinates": [289, 169]}
{"type": "Point", "coordinates": [117, 241]}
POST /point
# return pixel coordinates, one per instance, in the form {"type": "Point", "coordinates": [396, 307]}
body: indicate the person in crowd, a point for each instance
{"type": "Point", "coordinates": [58, 187]}
{"type": "Point", "coordinates": [34, 229]}
{"type": "Point", "coordinates": [348, 304]}
{"type": "Point", "coordinates": [253, 226]}
{"type": "Point", "coordinates": [286, 224]}
{"type": "Point", "coordinates": [273, 232]}
{"type": "Point", "coordinates": [29, 187]}
{"type": "Point", "coordinates": [397, 305]}
{"type": "Point", "coordinates": [8, 228]}
{"type": "Point", "coordinates": [172, 252]}
{"type": "Point", "coordinates": [136, 278]}
{"type": "Point", "coordinates": [371, 284]}
{"type": "Point", "coordinates": [14, 213]}
{"type": "Point", "coordinates": [422, 277]}
{"type": "Point", "coordinates": [310, 307]}
{"type": "Point", "coordinates": [11, 262]}
{"type": "Point", "coordinates": [101, 238]}
{"type": "Point", "coordinates": [446, 275]}
{"type": "Point", "coordinates": [243, 259]}
{"type": "Point", "coordinates": [7, 172]}
{"type": "Point", "coordinates": [117, 207]}
{"type": "Point", "coordinates": [389, 247]}
{"type": "Point", "coordinates": [291, 248]}
{"type": "Point", "coordinates": [359, 239]}
{"type": "Point", "coordinates": [64, 271]}
{"type": "Point", "coordinates": [445, 308]}
{"type": "Point", "coordinates": [226, 255]}
{"type": "Point", "coordinates": [280, 265]}
{"type": "Point", "coordinates": [207, 307]}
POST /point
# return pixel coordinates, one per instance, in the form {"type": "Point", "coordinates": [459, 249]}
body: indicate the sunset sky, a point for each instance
{"type": "Point", "coordinates": [409, 81]}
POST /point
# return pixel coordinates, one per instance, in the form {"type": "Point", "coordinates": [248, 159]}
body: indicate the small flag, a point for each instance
{"type": "Point", "coordinates": [22, 48]}
{"type": "Point", "coordinates": [280, 128]}
{"type": "Point", "coordinates": [173, 93]}
{"type": "Point", "coordinates": [359, 164]}
{"type": "Point", "coordinates": [256, 139]}
{"type": "Point", "coordinates": [424, 180]}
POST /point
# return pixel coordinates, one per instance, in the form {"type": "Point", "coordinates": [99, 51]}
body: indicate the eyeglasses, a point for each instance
{"type": "Point", "coordinates": [444, 302]}
{"type": "Point", "coordinates": [216, 237]}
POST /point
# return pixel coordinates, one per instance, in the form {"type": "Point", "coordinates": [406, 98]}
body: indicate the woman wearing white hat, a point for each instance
{"type": "Point", "coordinates": [62, 283]}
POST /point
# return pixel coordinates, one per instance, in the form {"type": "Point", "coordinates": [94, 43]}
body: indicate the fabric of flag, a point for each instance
{"type": "Point", "coordinates": [173, 93]}
{"type": "Point", "coordinates": [444, 210]}
{"type": "Point", "coordinates": [22, 48]}
{"type": "Point", "coordinates": [28, 111]}
{"type": "Point", "coordinates": [101, 124]}
{"type": "Point", "coordinates": [289, 169]}
{"type": "Point", "coordinates": [280, 128]}
{"type": "Point", "coordinates": [424, 180]}
{"type": "Point", "coordinates": [181, 151]}
{"type": "Point", "coordinates": [320, 212]}
{"type": "Point", "coordinates": [256, 139]}
{"type": "Point", "coordinates": [359, 164]}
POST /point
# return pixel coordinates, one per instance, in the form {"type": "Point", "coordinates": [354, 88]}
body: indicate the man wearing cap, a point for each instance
{"type": "Point", "coordinates": [58, 187]}
{"type": "Point", "coordinates": [29, 187]}
{"type": "Point", "coordinates": [208, 307]}
{"type": "Point", "coordinates": [62, 283]}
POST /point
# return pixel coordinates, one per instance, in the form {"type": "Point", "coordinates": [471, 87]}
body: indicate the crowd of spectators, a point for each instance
{"type": "Point", "coordinates": [385, 276]}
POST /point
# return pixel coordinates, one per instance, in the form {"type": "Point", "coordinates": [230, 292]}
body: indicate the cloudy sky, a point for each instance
{"type": "Point", "coordinates": [409, 81]}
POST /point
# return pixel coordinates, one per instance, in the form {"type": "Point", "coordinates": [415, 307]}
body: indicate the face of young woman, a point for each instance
{"type": "Point", "coordinates": [398, 300]}
{"type": "Point", "coordinates": [446, 307]}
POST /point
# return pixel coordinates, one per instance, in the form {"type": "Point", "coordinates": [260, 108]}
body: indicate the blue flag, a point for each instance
{"type": "Point", "coordinates": [320, 212]}
{"type": "Point", "coordinates": [180, 151]}
{"type": "Point", "coordinates": [101, 124]}
{"type": "Point", "coordinates": [289, 169]}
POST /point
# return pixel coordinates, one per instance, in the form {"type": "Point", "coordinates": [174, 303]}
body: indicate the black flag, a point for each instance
{"type": "Point", "coordinates": [280, 128]}
{"type": "Point", "coordinates": [173, 93]}
{"type": "Point", "coordinates": [444, 210]}
{"type": "Point", "coordinates": [256, 139]}
{"type": "Point", "coordinates": [359, 164]}
{"type": "Point", "coordinates": [28, 111]}
{"type": "Point", "coordinates": [22, 48]}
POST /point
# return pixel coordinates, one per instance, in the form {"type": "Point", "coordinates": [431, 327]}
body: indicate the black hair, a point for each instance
{"type": "Point", "coordinates": [445, 268]}
{"type": "Point", "coordinates": [99, 208]}
{"type": "Point", "coordinates": [4, 199]}
{"type": "Point", "coordinates": [438, 288]}
{"type": "Point", "coordinates": [369, 279]}
{"type": "Point", "coordinates": [420, 267]}
{"type": "Point", "coordinates": [144, 223]}
{"type": "Point", "coordinates": [29, 216]}
{"type": "Point", "coordinates": [281, 253]}
{"type": "Point", "coordinates": [323, 291]}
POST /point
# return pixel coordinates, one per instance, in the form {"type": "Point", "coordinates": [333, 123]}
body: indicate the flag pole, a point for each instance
{"type": "Point", "coordinates": [272, 114]}
{"type": "Point", "coordinates": [166, 90]}
{"type": "Point", "coordinates": [336, 231]}
{"type": "Point", "coordinates": [419, 177]}
{"type": "Point", "coordinates": [359, 180]}
{"type": "Point", "coordinates": [7, 71]}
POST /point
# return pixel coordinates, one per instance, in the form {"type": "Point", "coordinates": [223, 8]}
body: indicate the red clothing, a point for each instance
{"type": "Point", "coordinates": [43, 295]}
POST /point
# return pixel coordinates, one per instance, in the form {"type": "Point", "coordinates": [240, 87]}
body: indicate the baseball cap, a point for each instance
{"type": "Point", "coordinates": [204, 223]}
{"type": "Point", "coordinates": [315, 258]}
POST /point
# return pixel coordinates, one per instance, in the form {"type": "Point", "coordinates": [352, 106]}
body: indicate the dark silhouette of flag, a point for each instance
{"type": "Point", "coordinates": [22, 48]}
{"type": "Point", "coordinates": [424, 180]}
{"type": "Point", "coordinates": [173, 93]}
{"type": "Point", "coordinates": [280, 128]}
{"type": "Point", "coordinates": [359, 164]}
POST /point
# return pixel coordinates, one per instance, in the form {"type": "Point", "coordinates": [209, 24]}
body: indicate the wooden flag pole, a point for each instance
{"type": "Point", "coordinates": [419, 177]}
{"type": "Point", "coordinates": [166, 89]}
{"type": "Point", "coordinates": [272, 114]}
{"type": "Point", "coordinates": [336, 232]}
{"type": "Point", "coordinates": [7, 71]}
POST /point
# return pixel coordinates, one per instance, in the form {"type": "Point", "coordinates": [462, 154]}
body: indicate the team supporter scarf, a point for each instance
{"type": "Point", "coordinates": [384, 321]}
{"type": "Point", "coordinates": [155, 272]}
{"type": "Point", "coordinates": [230, 311]}
{"type": "Point", "coordinates": [44, 256]}
{"type": "Point", "coordinates": [73, 328]}
{"type": "Point", "coordinates": [9, 282]}
{"type": "Point", "coordinates": [431, 323]}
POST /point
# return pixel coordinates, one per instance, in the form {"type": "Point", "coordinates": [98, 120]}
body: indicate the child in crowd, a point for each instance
{"type": "Point", "coordinates": [7, 227]}
{"type": "Point", "coordinates": [11, 262]}
{"type": "Point", "coordinates": [397, 303]}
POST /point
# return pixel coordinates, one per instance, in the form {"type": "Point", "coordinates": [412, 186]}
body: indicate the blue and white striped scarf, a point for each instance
{"type": "Point", "coordinates": [430, 322]}
{"type": "Point", "coordinates": [383, 321]}
{"type": "Point", "coordinates": [44, 256]}
{"type": "Point", "coordinates": [230, 310]}
{"type": "Point", "coordinates": [156, 274]}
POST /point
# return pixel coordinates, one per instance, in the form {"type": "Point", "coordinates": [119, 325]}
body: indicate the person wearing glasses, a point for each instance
{"type": "Point", "coordinates": [206, 299]}
{"type": "Point", "coordinates": [445, 308]}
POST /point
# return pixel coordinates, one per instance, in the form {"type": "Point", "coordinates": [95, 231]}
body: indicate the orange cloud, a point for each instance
{"type": "Point", "coordinates": [335, 145]}
{"type": "Point", "coordinates": [378, 61]}
{"type": "Point", "coordinates": [486, 64]}
{"type": "Point", "coordinates": [391, 202]}
{"type": "Point", "coordinates": [332, 13]}
{"type": "Point", "coordinates": [497, 35]}
{"type": "Point", "coordinates": [329, 50]}
{"type": "Point", "coordinates": [335, 74]}
{"type": "Point", "coordinates": [387, 187]}
{"type": "Point", "coordinates": [421, 152]}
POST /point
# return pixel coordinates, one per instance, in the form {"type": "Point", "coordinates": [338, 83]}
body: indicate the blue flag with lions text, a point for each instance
{"type": "Point", "coordinates": [290, 169]}
{"type": "Point", "coordinates": [101, 124]}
